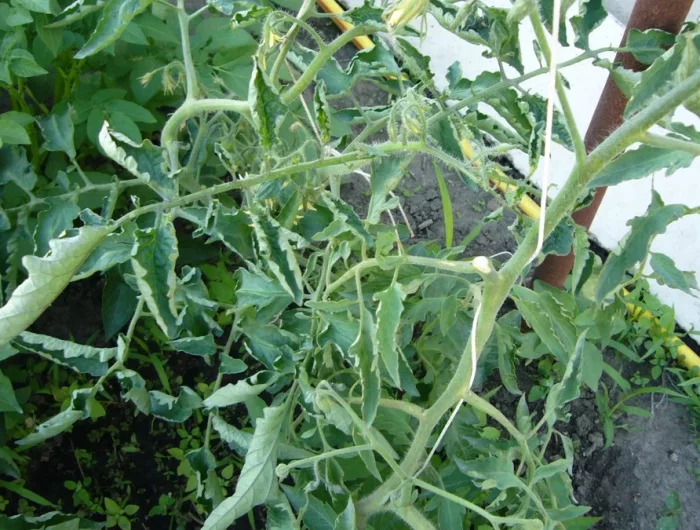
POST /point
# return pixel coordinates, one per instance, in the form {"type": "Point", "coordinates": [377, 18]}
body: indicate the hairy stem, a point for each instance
{"type": "Point", "coordinates": [288, 40]}
{"type": "Point", "coordinates": [541, 35]}
{"type": "Point", "coordinates": [666, 142]}
{"type": "Point", "coordinates": [283, 469]}
{"type": "Point", "coordinates": [413, 517]}
{"type": "Point", "coordinates": [192, 83]}
{"type": "Point", "coordinates": [404, 406]}
{"type": "Point", "coordinates": [189, 109]}
{"type": "Point", "coordinates": [321, 59]}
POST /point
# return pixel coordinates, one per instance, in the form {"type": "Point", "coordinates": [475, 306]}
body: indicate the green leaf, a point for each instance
{"type": "Point", "coordinates": [118, 303]}
{"type": "Point", "coordinates": [153, 261]}
{"type": "Point", "coordinates": [649, 45]}
{"type": "Point", "coordinates": [493, 472]}
{"type": "Point", "coordinates": [40, 6]}
{"type": "Point", "coordinates": [7, 464]}
{"type": "Point", "coordinates": [14, 167]}
{"type": "Point", "coordinates": [592, 366]}
{"type": "Point", "coordinates": [323, 112]}
{"type": "Point", "coordinates": [592, 13]}
{"type": "Point", "coordinates": [200, 346]}
{"type": "Point", "coordinates": [48, 521]}
{"type": "Point", "coordinates": [547, 13]}
{"type": "Point", "coordinates": [450, 514]}
{"type": "Point", "coordinates": [388, 321]}
{"type": "Point", "coordinates": [658, 78]}
{"type": "Point", "coordinates": [569, 388]}
{"type": "Point", "coordinates": [634, 247]}
{"type": "Point", "coordinates": [506, 364]}
{"type": "Point", "coordinates": [232, 394]}
{"type": "Point", "coordinates": [223, 6]}
{"type": "Point", "coordinates": [8, 401]}
{"type": "Point", "coordinates": [144, 160]}
{"type": "Point", "coordinates": [551, 469]}
{"type": "Point", "coordinates": [446, 205]}
{"type": "Point", "coordinates": [12, 133]}
{"type": "Point", "coordinates": [16, 487]}
{"type": "Point", "coordinates": [267, 109]}
{"type": "Point", "coordinates": [53, 221]}
{"type": "Point", "coordinates": [346, 520]}
{"type": "Point", "coordinates": [545, 316]}
{"type": "Point", "coordinates": [47, 277]}
{"type": "Point", "coordinates": [639, 163]}
{"type": "Point", "coordinates": [79, 408]}
{"type": "Point", "coordinates": [23, 64]}
{"type": "Point", "coordinates": [57, 130]}
{"type": "Point", "coordinates": [231, 365]}
{"type": "Point", "coordinates": [232, 228]}
{"type": "Point", "coordinates": [255, 289]}
{"type": "Point", "coordinates": [364, 351]}
{"type": "Point", "coordinates": [82, 358]}
{"type": "Point", "coordinates": [275, 248]}
{"type": "Point", "coordinates": [115, 249]}
{"type": "Point", "coordinates": [173, 409]}
{"type": "Point", "coordinates": [668, 274]}
{"type": "Point", "coordinates": [386, 175]}
{"type": "Point", "coordinates": [345, 219]}
{"type": "Point", "coordinates": [115, 18]}
{"type": "Point", "coordinates": [132, 110]}
{"type": "Point", "coordinates": [317, 514]}
{"type": "Point", "coordinates": [257, 478]}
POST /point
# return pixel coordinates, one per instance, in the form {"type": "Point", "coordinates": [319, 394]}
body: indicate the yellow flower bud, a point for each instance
{"type": "Point", "coordinates": [404, 11]}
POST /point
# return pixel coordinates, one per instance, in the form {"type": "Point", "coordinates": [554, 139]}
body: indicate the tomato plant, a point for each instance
{"type": "Point", "coordinates": [196, 164]}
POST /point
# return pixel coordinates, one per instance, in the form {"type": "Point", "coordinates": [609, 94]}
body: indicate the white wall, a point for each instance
{"type": "Point", "coordinates": [622, 202]}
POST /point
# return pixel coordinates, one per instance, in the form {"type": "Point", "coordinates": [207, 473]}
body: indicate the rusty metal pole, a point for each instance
{"type": "Point", "coordinates": [667, 15]}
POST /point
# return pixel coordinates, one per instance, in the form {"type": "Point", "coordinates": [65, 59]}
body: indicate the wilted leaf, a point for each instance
{"type": "Point", "coordinates": [47, 277]}
{"type": "Point", "coordinates": [257, 478]}
{"type": "Point", "coordinates": [79, 357]}
{"type": "Point", "coordinates": [232, 394]}
{"type": "Point", "coordinates": [267, 109]}
{"type": "Point", "coordinates": [277, 251]}
{"type": "Point", "coordinates": [153, 260]}
{"type": "Point", "coordinates": [639, 163]}
{"type": "Point", "coordinates": [668, 274]}
{"type": "Point", "coordinates": [635, 246]}
{"type": "Point", "coordinates": [388, 321]}
{"type": "Point", "coordinates": [569, 388]}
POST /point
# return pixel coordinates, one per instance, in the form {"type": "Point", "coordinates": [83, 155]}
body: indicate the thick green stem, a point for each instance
{"type": "Point", "coordinates": [288, 40]}
{"type": "Point", "coordinates": [577, 183]}
{"type": "Point", "coordinates": [192, 84]}
{"type": "Point", "coordinates": [459, 267]}
{"type": "Point", "coordinates": [666, 142]}
{"type": "Point", "coordinates": [241, 184]}
{"type": "Point", "coordinates": [322, 57]}
{"type": "Point", "coordinates": [283, 469]}
{"type": "Point", "coordinates": [412, 517]}
{"type": "Point", "coordinates": [541, 35]}
{"type": "Point", "coordinates": [189, 109]}
{"type": "Point", "coordinates": [404, 406]}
